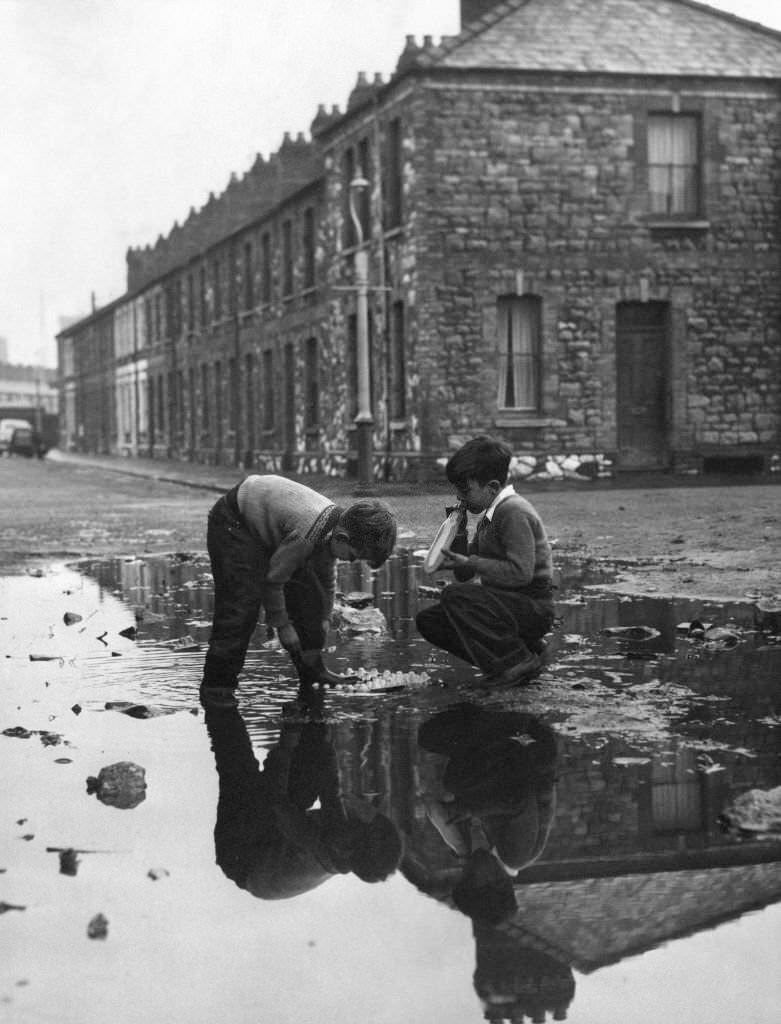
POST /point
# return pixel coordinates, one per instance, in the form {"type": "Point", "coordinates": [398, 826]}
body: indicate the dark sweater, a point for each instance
{"type": "Point", "coordinates": [510, 551]}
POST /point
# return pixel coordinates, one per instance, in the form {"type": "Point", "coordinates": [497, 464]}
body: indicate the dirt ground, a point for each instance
{"type": "Point", "coordinates": [716, 540]}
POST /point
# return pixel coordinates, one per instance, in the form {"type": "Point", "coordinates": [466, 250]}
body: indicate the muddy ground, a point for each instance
{"type": "Point", "coordinates": [706, 538]}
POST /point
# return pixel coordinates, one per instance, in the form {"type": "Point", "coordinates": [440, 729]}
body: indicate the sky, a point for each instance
{"type": "Point", "coordinates": [117, 116]}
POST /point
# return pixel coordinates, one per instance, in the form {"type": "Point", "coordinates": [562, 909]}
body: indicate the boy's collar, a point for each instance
{"type": "Point", "coordinates": [505, 492]}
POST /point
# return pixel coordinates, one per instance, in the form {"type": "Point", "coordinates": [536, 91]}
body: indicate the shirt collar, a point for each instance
{"type": "Point", "coordinates": [504, 493]}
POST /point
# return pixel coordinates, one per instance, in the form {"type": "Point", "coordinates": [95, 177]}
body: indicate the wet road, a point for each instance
{"type": "Point", "coordinates": [226, 884]}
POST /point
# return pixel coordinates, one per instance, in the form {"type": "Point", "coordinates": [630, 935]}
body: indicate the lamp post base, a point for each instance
{"type": "Point", "coordinates": [366, 486]}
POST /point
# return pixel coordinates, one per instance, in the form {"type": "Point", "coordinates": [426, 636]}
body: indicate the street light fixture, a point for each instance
{"type": "Point", "coordinates": [364, 421]}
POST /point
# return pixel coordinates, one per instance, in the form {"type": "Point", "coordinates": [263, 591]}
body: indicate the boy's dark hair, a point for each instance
{"type": "Point", "coordinates": [482, 458]}
{"type": "Point", "coordinates": [377, 849]}
{"type": "Point", "coordinates": [371, 528]}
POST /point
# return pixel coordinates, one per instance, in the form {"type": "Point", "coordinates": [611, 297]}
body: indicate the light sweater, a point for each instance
{"type": "Point", "coordinates": [293, 524]}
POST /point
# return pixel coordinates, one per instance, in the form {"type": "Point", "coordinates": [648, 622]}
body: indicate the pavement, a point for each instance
{"type": "Point", "coordinates": [220, 478]}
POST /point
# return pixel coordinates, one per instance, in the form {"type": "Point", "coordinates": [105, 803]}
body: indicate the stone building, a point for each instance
{"type": "Point", "coordinates": [571, 217]}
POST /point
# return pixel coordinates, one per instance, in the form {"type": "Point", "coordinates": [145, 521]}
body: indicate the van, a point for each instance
{"type": "Point", "coordinates": [7, 428]}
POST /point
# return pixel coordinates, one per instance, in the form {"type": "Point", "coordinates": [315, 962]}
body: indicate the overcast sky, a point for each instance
{"type": "Point", "coordinates": [117, 116]}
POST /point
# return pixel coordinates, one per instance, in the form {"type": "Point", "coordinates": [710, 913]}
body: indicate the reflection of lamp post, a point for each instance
{"type": "Point", "coordinates": [364, 421]}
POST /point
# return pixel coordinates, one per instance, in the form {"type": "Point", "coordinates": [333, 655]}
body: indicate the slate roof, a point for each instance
{"type": "Point", "coordinates": [669, 37]}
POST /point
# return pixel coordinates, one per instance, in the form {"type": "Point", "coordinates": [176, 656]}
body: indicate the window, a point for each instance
{"type": "Point", "coordinates": [233, 383]}
{"type": "Point", "coordinates": [309, 247]}
{"type": "Point", "coordinates": [218, 403]}
{"type": "Point", "coordinates": [151, 407]}
{"type": "Point", "coordinates": [249, 282]}
{"type": "Point", "coordinates": [217, 285]}
{"type": "Point", "coordinates": [148, 321]}
{"type": "Point", "coordinates": [287, 258]}
{"type": "Point", "coordinates": [289, 423]}
{"type": "Point", "coordinates": [311, 391]}
{"type": "Point", "coordinates": [348, 173]}
{"type": "Point", "coordinates": [191, 402]}
{"type": "Point", "coordinates": [173, 301]}
{"type": "Point", "coordinates": [190, 302]}
{"type": "Point", "coordinates": [268, 390]}
{"type": "Point", "coordinates": [205, 397]}
{"type": "Point", "coordinates": [161, 404]}
{"type": "Point", "coordinates": [249, 381]}
{"type": "Point", "coordinates": [674, 165]}
{"type": "Point", "coordinates": [202, 296]}
{"type": "Point", "coordinates": [519, 335]}
{"type": "Point", "coordinates": [397, 382]}
{"type": "Point", "coordinates": [363, 199]}
{"type": "Point", "coordinates": [266, 248]}
{"type": "Point", "coordinates": [171, 394]}
{"type": "Point", "coordinates": [393, 175]}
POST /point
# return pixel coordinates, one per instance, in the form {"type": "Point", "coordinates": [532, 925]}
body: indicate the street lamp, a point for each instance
{"type": "Point", "coordinates": [364, 421]}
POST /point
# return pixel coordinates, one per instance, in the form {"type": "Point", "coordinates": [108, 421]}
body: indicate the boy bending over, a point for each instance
{"type": "Point", "coordinates": [498, 625]}
{"type": "Point", "coordinates": [273, 543]}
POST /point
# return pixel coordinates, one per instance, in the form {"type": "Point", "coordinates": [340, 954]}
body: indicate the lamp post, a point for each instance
{"type": "Point", "coordinates": [364, 421]}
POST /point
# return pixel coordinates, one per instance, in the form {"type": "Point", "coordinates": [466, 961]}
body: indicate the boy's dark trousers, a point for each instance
{"type": "Point", "coordinates": [485, 627]}
{"type": "Point", "coordinates": [239, 564]}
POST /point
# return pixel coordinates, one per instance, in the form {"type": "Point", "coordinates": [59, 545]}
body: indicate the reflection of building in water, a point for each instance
{"type": "Point", "coordinates": [591, 922]}
{"type": "Point", "coordinates": [394, 586]}
{"type": "Point", "coordinates": [175, 588]}
{"type": "Point", "coordinates": [634, 857]}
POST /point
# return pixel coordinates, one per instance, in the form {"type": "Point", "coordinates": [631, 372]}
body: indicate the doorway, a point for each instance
{"type": "Point", "coordinates": [642, 359]}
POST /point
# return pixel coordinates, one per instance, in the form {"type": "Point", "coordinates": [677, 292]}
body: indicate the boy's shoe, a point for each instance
{"type": "Point", "coordinates": [519, 674]}
{"type": "Point", "coordinates": [221, 698]}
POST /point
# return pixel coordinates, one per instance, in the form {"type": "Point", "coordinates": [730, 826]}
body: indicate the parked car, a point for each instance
{"type": "Point", "coordinates": [23, 442]}
{"type": "Point", "coordinates": [7, 428]}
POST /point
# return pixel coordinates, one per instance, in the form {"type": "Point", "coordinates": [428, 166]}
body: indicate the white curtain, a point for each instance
{"type": "Point", "coordinates": [519, 331]}
{"type": "Point", "coordinates": [672, 163]}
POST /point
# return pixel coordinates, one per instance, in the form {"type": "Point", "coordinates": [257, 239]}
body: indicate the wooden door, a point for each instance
{"type": "Point", "coordinates": [642, 384]}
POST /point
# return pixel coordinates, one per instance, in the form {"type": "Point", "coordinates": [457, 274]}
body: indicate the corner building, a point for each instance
{"type": "Point", "coordinates": [571, 216]}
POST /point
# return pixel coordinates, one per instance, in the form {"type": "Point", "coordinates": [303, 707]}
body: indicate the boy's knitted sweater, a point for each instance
{"type": "Point", "coordinates": [293, 524]}
{"type": "Point", "coordinates": [510, 551]}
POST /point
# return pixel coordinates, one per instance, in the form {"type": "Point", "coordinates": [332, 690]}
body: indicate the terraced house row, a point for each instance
{"type": "Point", "coordinates": [568, 219]}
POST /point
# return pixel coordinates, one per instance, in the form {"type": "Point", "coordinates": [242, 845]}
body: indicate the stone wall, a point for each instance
{"type": "Point", "coordinates": [541, 189]}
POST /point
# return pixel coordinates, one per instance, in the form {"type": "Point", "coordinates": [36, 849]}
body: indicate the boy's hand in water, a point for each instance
{"type": "Point", "coordinates": [290, 640]}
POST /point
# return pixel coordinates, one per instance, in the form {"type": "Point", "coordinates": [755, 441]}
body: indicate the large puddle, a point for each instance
{"type": "Point", "coordinates": [564, 849]}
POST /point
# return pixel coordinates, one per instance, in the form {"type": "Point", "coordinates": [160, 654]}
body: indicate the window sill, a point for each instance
{"type": "Point", "coordinates": [656, 224]}
{"type": "Point", "coordinates": [525, 419]}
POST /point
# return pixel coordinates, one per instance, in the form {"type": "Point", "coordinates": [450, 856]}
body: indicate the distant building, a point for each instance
{"type": "Point", "coordinates": [571, 217]}
{"type": "Point", "coordinates": [31, 393]}
{"type": "Point", "coordinates": [28, 386]}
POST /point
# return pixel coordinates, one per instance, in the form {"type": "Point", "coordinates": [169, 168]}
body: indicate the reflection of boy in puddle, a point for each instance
{"type": "Point", "coordinates": [492, 804]}
{"type": "Point", "coordinates": [268, 838]}
{"type": "Point", "coordinates": [494, 798]}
